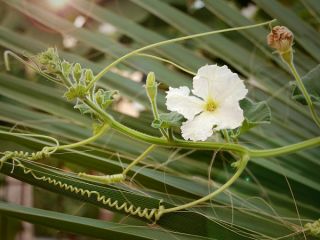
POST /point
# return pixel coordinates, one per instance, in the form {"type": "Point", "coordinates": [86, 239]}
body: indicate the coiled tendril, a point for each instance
{"type": "Point", "coordinates": [106, 179]}
{"type": "Point", "coordinates": [44, 153]}
{"type": "Point", "coordinates": [314, 228]}
{"type": "Point", "coordinates": [152, 214]}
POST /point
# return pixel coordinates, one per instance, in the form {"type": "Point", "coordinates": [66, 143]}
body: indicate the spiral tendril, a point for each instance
{"type": "Point", "coordinates": [44, 153]}
{"type": "Point", "coordinates": [152, 214]}
{"type": "Point", "coordinates": [107, 179]}
{"type": "Point", "coordinates": [314, 228]}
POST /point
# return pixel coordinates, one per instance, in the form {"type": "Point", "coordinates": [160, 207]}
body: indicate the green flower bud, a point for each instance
{"type": "Point", "coordinates": [66, 68]}
{"type": "Point", "coordinates": [50, 60]}
{"type": "Point", "coordinates": [77, 72]}
{"type": "Point", "coordinates": [89, 75]}
{"type": "Point", "coordinates": [151, 86]}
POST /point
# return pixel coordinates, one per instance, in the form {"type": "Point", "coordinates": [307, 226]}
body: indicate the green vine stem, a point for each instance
{"type": "Point", "coordinates": [242, 150]}
{"type": "Point", "coordinates": [226, 135]}
{"type": "Point", "coordinates": [152, 95]}
{"type": "Point", "coordinates": [138, 159]}
{"type": "Point", "coordinates": [91, 139]}
{"type": "Point", "coordinates": [158, 44]}
{"type": "Point", "coordinates": [240, 168]}
{"type": "Point", "coordinates": [166, 61]}
{"type": "Point", "coordinates": [313, 142]}
{"type": "Point", "coordinates": [171, 135]}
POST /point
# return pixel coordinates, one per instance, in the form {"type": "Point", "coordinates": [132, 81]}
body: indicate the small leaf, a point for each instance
{"type": "Point", "coordinates": [312, 83]}
{"type": "Point", "coordinates": [254, 113]}
{"type": "Point", "coordinates": [167, 120]}
{"type": "Point", "coordinates": [83, 108]}
{"type": "Point", "coordinates": [105, 98]}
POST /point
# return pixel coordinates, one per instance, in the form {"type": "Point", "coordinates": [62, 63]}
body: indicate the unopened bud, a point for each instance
{"type": "Point", "coordinates": [77, 72]}
{"type": "Point", "coordinates": [88, 75]}
{"type": "Point", "coordinates": [151, 86]}
{"type": "Point", "coordinates": [66, 68]}
{"type": "Point", "coordinates": [49, 60]}
{"type": "Point", "coordinates": [281, 39]}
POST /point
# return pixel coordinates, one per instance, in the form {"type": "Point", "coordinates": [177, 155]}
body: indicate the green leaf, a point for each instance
{"type": "Point", "coordinates": [83, 108]}
{"type": "Point", "coordinates": [89, 227]}
{"type": "Point", "coordinates": [312, 83]}
{"type": "Point", "coordinates": [254, 113]}
{"type": "Point", "coordinates": [167, 120]}
{"type": "Point", "coordinates": [105, 97]}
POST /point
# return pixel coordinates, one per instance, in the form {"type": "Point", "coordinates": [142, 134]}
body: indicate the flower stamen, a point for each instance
{"type": "Point", "coordinates": [210, 106]}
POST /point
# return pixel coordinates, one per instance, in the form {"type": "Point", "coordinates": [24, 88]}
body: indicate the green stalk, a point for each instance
{"type": "Point", "coordinates": [158, 44]}
{"type": "Point", "coordinates": [138, 159]}
{"type": "Point", "coordinates": [226, 135]}
{"type": "Point", "coordinates": [313, 142]}
{"type": "Point", "coordinates": [242, 150]}
{"type": "Point", "coordinates": [86, 141]}
{"type": "Point", "coordinates": [160, 141]}
{"type": "Point", "coordinates": [166, 61]}
{"type": "Point", "coordinates": [240, 169]}
{"type": "Point", "coordinates": [171, 135]}
{"type": "Point", "coordinates": [156, 116]}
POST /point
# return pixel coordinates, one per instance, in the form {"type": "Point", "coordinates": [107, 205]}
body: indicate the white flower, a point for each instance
{"type": "Point", "coordinates": [215, 105]}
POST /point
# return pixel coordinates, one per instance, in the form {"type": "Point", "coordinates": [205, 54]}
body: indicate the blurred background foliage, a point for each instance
{"type": "Point", "coordinates": [273, 199]}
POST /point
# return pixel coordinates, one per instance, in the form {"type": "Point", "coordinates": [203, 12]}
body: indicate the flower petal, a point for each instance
{"type": "Point", "coordinates": [199, 128]}
{"type": "Point", "coordinates": [218, 83]}
{"type": "Point", "coordinates": [178, 99]}
{"type": "Point", "coordinates": [228, 116]}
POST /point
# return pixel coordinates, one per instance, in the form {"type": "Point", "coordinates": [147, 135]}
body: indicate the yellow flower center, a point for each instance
{"type": "Point", "coordinates": [211, 106]}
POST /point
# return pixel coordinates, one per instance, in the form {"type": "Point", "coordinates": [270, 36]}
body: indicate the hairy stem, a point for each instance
{"type": "Point", "coordinates": [237, 148]}
{"type": "Point", "coordinates": [160, 141]}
